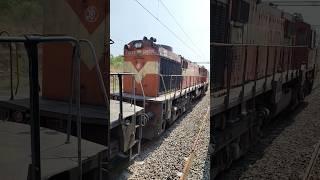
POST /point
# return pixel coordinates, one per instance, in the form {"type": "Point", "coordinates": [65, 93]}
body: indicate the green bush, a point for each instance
{"type": "Point", "coordinates": [116, 61]}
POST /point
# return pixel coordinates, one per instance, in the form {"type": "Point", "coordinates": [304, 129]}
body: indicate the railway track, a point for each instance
{"type": "Point", "coordinates": [312, 163]}
{"type": "Point", "coordinates": [166, 157]}
{"type": "Point", "coordinates": [186, 168]}
{"type": "Point", "coordinates": [289, 148]}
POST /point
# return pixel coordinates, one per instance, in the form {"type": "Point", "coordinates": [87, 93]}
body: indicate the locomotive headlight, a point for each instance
{"type": "Point", "coordinates": [138, 65]}
{"type": "Point", "coordinates": [138, 45]}
{"type": "Point", "coordinates": [139, 52]}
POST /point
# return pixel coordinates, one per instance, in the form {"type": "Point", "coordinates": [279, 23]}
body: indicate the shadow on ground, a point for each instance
{"type": "Point", "coordinates": [256, 152]}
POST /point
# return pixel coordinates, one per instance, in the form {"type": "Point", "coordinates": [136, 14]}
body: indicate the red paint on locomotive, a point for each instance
{"type": "Point", "coordinates": [57, 57]}
{"type": "Point", "coordinates": [142, 58]}
{"type": "Point", "coordinates": [266, 25]}
{"type": "Point", "coordinates": [158, 69]}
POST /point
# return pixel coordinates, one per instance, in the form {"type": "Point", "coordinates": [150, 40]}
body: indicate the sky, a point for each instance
{"type": "Point", "coordinates": [129, 21]}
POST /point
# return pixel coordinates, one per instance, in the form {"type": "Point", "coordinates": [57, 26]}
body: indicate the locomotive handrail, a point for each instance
{"type": "Point", "coordinates": [123, 73]}
{"type": "Point", "coordinates": [279, 49]}
{"type": "Point", "coordinates": [142, 122]}
{"type": "Point", "coordinates": [192, 83]}
{"type": "Point", "coordinates": [254, 45]}
{"type": "Point", "coordinates": [102, 89]}
{"type": "Point", "coordinates": [31, 42]}
{"type": "Point", "coordinates": [99, 74]}
{"type": "Point", "coordinates": [180, 75]}
{"type": "Point", "coordinates": [164, 85]}
{"type": "Point", "coordinates": [11, 66]}
{"type": "Point", "coordinates": [120, 75]}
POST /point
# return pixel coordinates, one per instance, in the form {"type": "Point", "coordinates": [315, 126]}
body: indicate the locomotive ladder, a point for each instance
{"type": "Point", "coordinates": [134, 151]}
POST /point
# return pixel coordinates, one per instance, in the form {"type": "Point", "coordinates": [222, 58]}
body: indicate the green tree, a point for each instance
{"type": "Point", "coordinates": [116, 61]}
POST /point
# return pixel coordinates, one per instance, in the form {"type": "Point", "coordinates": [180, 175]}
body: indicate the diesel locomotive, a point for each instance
{"type": "Point", "coordinates": [263, 60]}
{"type": "Point", "coordinates": [165, 83]}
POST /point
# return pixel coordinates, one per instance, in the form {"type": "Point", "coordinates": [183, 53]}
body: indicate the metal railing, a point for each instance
{"type": "Point", "coordinates": [12, 94]}
{"type": "Point", "coordinates": [31, 43]}
{"type": "Point", "coordinates": [116, 82]}
{"type": "Point", "coordinates": [179, 85]}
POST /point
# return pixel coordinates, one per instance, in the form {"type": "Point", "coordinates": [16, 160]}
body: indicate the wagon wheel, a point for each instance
{"type": "Point", "coordinates": [18, 116]}
{"type": "Point", "coordinates": [4, 115]}
{"type": "Point", "coordinates": [163, 126]}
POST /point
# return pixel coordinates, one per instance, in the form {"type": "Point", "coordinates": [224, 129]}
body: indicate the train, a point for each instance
{"type": "Point", "coordinates": [263, 61]}
{"type": "Point", "coordinates": [79, 128]}
{"type": "Point", "coordinates": [165, 83]}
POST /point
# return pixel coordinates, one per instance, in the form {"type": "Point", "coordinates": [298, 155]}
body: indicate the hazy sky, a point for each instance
{"type": "Point", "coordinates": [129, 21]}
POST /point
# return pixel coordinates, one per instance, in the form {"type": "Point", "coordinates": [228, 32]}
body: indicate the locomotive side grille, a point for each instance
{"type": "Point", "coordinates": [218, 21]}
{"type": "Point", "coordinates": [218, 33]}
{"type": "Point", "coordinates": [240, 11]}
{"type": "Point", "coordinates": [169, 67]}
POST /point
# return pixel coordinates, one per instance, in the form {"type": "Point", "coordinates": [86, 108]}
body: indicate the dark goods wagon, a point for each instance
{"type": "Point", "coordinates": [263, 61]}
{"type": "Point", "coordinates": [218, 33]}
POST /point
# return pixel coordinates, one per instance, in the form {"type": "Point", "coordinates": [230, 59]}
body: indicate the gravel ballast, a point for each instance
{"type": "Point", "coordinates": [164, 158]}
{"type": "Point", "coordinates": [286, 152]}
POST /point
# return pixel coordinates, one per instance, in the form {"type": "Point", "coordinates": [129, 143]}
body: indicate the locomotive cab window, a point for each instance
{"type": "Point", "coordinates": [138, 45]}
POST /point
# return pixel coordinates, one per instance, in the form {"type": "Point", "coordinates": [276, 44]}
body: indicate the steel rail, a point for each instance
{"type": "Point", "coordinates": [314, 157]}
{"type": "Point", "coordinates": [187, 165]}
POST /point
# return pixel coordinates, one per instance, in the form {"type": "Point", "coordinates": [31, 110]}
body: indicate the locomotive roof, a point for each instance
{"type": "Point", "coordinates": [163, 50]}
{"type": "Point", "coordinates": [289, 16]}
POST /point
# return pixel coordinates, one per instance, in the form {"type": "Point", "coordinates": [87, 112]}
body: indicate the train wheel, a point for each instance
{"type": "Point", "coordinates": [163, 126]}
{"type": "Point", "coordinates": [17, 116]}
{"type": "Point", "coordinates": [228, 156]}
{"type": "Point", "coordinates": [235, 149]}
{"type": "Point", "coordinates": [4, 115]}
